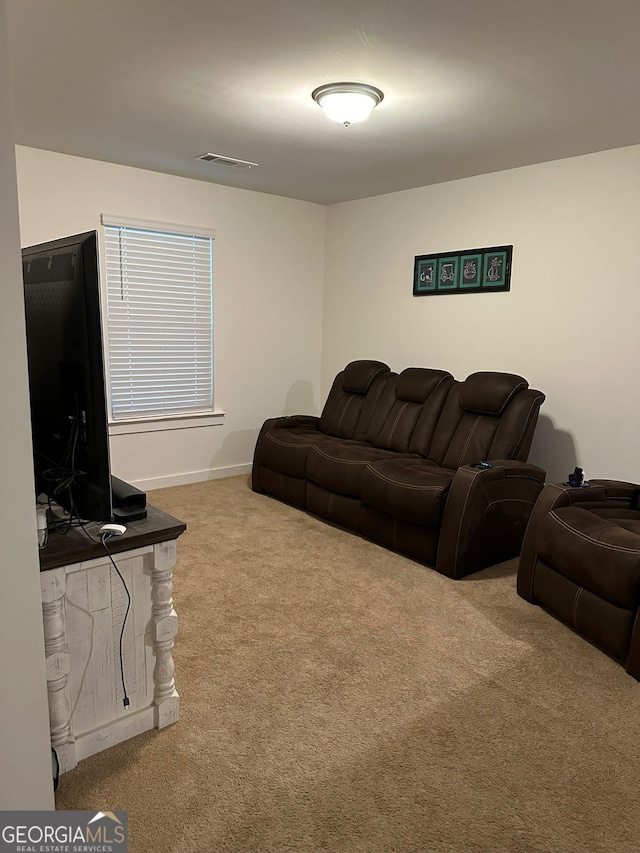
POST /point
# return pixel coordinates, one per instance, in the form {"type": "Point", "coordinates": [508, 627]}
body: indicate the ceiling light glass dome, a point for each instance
{"type": "Point", "coordinates": [347, 103]}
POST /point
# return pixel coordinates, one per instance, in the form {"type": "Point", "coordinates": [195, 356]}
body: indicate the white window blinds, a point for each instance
{"type": "Point", "coordinates": [159, 322]}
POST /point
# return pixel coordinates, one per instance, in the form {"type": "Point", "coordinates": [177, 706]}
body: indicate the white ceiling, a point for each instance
{"type": "Point", "coordinates": [471, 86]}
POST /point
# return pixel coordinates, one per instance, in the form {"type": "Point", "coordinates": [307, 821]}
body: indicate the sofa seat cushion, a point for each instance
{"type": "Point", "coordinates": [413, 490]}
{"type": "Point", "coordinates": [338, 465]}
{"type": "Point", "coordinates": [627, 518]}
{"type": "Point", "coordinates": [285, 450]}
{"type": "Point", "coordinates": [596, 553]}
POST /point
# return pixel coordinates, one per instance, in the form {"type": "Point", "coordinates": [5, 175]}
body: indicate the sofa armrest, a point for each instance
{"type": "Point", "coordinates": [291, 421]}
{"type": "Point", "coordinates": [486, 514]}
{"type": "Point", "coordinates": [616, 490]}
{"type": "Point", "coordinates": [599, 494]}
{"type": "Point", "coordinates": [285, 422]}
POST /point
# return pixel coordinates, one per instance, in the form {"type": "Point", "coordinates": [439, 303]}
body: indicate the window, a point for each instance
{"type": "Point", "coordinates": [159, 320]}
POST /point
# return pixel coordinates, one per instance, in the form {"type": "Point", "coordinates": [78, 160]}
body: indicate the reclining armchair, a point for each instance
{"type": "Point", "coordinates": [581, 561]}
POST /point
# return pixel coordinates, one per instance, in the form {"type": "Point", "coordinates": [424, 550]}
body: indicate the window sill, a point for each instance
{"type": "Point", "coordinates": [166, 423]}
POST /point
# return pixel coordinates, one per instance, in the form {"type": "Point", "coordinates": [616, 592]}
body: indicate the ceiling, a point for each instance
{"type": "Point", "coordinates": [471, 86]}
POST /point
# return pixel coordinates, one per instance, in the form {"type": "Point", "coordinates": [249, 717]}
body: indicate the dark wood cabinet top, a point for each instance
{"type": "Point", "coordinates": [76, 547]}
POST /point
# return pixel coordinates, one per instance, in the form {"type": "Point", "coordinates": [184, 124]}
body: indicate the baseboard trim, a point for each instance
{"type": "Point", "coordinates": [190, 477]}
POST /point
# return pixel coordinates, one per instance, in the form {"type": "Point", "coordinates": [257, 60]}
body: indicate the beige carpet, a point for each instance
{"type": "Point", "coordinates": [337, 697]}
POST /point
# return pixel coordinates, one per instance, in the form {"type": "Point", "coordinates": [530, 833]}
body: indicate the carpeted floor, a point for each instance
{"type": "Point", "coordinates": [338, 697]}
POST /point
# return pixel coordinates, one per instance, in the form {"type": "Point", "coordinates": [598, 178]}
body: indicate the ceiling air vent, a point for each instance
{"type": "Point", "coordinates": [231, 162]}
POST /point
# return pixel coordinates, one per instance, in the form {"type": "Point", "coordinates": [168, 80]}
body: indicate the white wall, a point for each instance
{"type": "Point", "coordinates": [268, 280]}
{"type": "Point", "coordinates": [569, 324]}
{"type": "Point", "coordinates": [25, 749]}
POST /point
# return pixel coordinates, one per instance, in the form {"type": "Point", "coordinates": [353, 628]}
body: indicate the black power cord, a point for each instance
{"type": "Point", "coordinates": [104, 538]}
{"type": "Point", "coordinates": [60, 478]}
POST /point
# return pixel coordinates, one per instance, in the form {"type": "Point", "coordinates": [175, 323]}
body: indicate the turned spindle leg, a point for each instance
{"type": "Point", "coordinates": [165, 627]}
{"type": "Point", "coordinates": [58, 666]}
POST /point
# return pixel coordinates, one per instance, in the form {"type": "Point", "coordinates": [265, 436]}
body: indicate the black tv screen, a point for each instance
{"type": "Point", "coordinates": [66, 375]}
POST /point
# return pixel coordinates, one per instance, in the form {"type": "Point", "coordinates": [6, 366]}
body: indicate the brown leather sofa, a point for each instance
{"type": "Point", "coordinates": [581, 561]}
{"type": "Point", "coordinates": [394, 457]}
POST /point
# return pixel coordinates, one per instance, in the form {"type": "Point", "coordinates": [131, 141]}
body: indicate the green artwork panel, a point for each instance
{"type": "Point", "coordinates": [425, 279]}
{"type": "Point", "coordinates": [495, 269]}
{"type": "Point", "coordinates": [448, 272]}
{"type": "Point", "coordinates": [471, 271]}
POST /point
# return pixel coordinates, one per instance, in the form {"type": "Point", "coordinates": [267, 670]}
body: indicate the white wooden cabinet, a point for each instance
{"type": "Point", "coordinates": [83, 606]}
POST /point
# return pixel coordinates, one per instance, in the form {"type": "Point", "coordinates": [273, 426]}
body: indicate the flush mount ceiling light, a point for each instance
{"type": "Point", "coordinates": [347, 103]}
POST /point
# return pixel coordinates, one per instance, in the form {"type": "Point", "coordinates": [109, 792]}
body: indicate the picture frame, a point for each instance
{"type": "Point", "coordinates": [424, 279]}
{"type": "Point", "coordinates": [485, 270]}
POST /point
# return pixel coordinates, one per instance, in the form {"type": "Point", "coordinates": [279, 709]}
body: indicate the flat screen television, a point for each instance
{"type": "Point", "coordinates": [66, 375]}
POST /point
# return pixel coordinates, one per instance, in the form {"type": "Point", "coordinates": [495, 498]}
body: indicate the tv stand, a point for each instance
{"type": "Point", "coordinates": [83, 606]}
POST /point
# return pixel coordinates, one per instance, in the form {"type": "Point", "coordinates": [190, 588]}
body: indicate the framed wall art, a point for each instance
{"type": "Point", "coordinates": [485, 270]}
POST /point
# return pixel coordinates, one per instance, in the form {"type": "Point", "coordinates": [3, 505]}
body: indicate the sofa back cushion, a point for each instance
{"type": "Point", "coordinates": [487, 393]}
{"type": "Point", "coordinates": [488, 416]}
{"type": "Point", "coordinates": [414, 397]}
{"type": "Point", "coordinates": [512, 439]}
{"type": "Point", "coordinates": [349, 392]}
